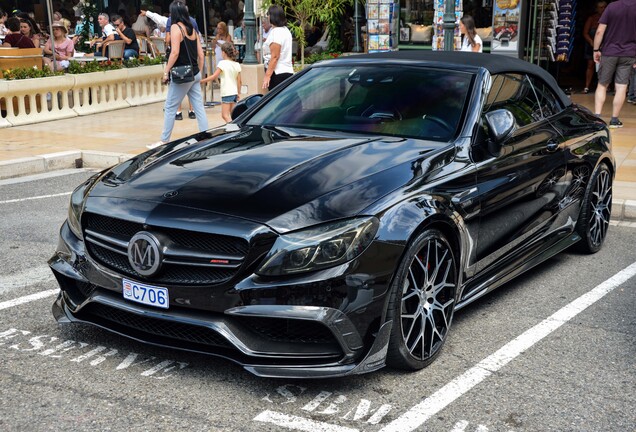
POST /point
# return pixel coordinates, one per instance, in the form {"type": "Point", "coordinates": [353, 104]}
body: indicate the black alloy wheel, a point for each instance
{"type": "Point", "coordinates": [596, 211]}
{"type": "Point", "coordinates": [422, 302]}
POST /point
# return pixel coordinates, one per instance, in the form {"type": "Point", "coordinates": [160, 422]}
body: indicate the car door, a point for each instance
{"type": "Point", "coordinates": [519, 186]}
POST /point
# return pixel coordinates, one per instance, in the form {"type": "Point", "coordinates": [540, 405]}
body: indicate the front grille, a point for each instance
{"type": "Point", "coordinates": [107, 239]}
{"type": "Point", "coordinates": [123, 229]}
{"type": "Point", "coordinates": [157, 327]}
{"type": "Point", "coordinates": [107, 225]}
{"type": "Point", "coordinates": [288, 330]}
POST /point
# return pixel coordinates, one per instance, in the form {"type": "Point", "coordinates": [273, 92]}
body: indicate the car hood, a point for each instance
{"type": "Point", "coordinates": [285, 178]}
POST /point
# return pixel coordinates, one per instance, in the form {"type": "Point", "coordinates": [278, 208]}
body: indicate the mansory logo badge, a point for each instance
{"type": "Point", "coordinates": [144, 253]}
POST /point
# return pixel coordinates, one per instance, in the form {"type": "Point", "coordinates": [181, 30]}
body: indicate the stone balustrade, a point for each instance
{"type": "Point", "coordinates": [42, 99]}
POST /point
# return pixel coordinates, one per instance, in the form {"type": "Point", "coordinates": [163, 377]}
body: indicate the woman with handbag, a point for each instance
{"type": "Point", "coordinates": [183, 71]}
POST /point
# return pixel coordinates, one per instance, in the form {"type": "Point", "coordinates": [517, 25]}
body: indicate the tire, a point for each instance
{"type": "Point", "coordinates": [595, 211]}
{"type": "Point", "coordinates": [422, 302]}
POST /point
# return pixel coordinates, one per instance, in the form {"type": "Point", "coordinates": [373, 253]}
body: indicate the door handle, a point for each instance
{"type": "Point", "coordinates": [552, 146]}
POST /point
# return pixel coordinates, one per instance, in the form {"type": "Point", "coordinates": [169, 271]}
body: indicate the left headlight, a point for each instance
{"type": "Point", "coordinates": [74, 213]}
{"type": "Point", "coordinates": [76, 205]}
{"type": "Point", "coordinates": [319, 247]}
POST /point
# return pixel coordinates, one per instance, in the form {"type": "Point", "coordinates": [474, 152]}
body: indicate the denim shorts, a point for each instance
{"type": "Point", "coordinates": [229, 99]}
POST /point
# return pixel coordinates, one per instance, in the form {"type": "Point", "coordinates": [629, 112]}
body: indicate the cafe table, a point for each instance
{"type": "Point", "coordinates": [85, 59]}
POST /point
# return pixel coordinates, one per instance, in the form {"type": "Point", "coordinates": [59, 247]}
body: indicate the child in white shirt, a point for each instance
{"type": "Point", "coordinates": [229, 70]}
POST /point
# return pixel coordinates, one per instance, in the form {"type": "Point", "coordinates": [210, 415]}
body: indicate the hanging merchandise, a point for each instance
{"type": "Point", "coordinates": [565, 30]}
{"type": "Point", "coordinates": [552, 20]}
{"type": "Point", "coordinates": [383, 25]}
{"type": "Point", "coordinates": [547, 32]}
{"type": "Point", "coordinates": [438, 25]}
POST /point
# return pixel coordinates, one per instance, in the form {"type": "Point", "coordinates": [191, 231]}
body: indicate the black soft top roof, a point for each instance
{"type": "Point", "coordinates": [494, 63]}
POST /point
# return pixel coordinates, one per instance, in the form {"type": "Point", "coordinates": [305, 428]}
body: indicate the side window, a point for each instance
{"type": "Point", "coordinates": [514, 93]}
{"type": "Point", "coordinates": [549, 102]}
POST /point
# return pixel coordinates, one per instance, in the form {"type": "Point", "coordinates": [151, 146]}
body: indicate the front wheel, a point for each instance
{"type": "Point", "coordinates": [595, 211]}
{"type": "Point", "coordinates": [422, 302]}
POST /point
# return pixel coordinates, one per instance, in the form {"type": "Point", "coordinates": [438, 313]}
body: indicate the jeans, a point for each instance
{"type": "Point", "coordinates": [176, 93]}
{"type": "Point", "coordinates": [128, 53]}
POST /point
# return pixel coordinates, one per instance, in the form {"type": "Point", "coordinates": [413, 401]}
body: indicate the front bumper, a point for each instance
{"type": "Point", "coordinates": [272, 340]}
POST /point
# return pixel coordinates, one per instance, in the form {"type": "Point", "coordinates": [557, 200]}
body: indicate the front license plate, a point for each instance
{"type": "Point", "coordinates": [146, 294]}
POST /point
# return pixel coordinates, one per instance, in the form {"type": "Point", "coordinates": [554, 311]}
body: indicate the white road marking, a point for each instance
{"type": "Point", "coordinates": [35, 198]}
{"type": "Point", "coordinates": [26, 278]}
{"type": "Point", "coordinates": [316, 401]}
{"type": "Point", "coordinates": [299, 423]}
{"type": "Point", "coordinates": [52, 348]}
{"type": "Point", "coordinates": [420, 413]}
{"type": "Point", "coordinates": [460, 426]}
{"type": "Point", "coordinates": [46, 175]}
{"type": "Point", "coordinates": [28, 298]}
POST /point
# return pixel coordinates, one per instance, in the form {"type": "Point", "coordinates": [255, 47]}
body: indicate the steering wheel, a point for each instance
{"type": "Point", "coordinates": [381, 113]}
{"type": "Point", "coordinates": [440, 122]}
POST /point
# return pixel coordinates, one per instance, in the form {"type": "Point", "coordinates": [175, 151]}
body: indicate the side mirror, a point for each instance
{"type": "Point", "coordinates": [244, 104]}
{"type": "Point", "coordinates": [501, 123]}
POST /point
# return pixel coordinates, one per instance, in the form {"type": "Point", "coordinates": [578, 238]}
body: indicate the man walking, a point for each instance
{"type": "Point", "coordinates": [615, 52]}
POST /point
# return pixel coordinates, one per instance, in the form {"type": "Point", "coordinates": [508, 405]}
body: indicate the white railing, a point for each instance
{"type": "Point", "coordinates": [42, 99]}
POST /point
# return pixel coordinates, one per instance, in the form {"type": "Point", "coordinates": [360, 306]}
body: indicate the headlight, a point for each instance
{"type": "Point", "coordinates": [74, 213]}
{"type": "Point", "coordinates": [320, 247]}
{"type": "Point", "coordinates": [76, 205]}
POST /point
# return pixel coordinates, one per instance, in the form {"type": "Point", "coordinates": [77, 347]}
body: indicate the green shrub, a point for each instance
{"type": "Point", "coordinates": [313, 58]}
{"type": "Point", "coordinates": [80, 68]}
{"type": "Point", "coordinates": [25, 73]}
{"type": "Point", "coordinates": [143, 61]}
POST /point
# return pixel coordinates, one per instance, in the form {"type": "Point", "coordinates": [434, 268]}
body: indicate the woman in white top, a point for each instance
{"type": "Point", "coordinates": [222, 36]}
{"type": "Point", "coordinates": [470, 39]}
{"type": "Point", "coordinates": [279, 42]}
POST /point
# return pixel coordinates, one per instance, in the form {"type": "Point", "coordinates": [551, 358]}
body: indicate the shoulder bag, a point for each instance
{"type": "Point", "coordinates": [185, 73]}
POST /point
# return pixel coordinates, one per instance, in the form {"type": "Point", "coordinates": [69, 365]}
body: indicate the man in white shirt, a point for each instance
{"type": "Point", "coordinates": [160, 20]}
{"type": "Point", "coordinates": [108, 32]}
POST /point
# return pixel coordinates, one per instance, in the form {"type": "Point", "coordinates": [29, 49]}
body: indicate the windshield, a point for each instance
{"type": "Point", "coordinates": [412, 102]}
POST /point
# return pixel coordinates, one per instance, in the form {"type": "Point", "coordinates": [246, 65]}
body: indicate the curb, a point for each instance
{"type": "Point", "coordinates": [622, 210]}
{"type": "Point", "coordinates": [62, 160]}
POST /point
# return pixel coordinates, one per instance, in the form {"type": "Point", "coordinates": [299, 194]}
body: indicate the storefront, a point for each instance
{"type": "Point", "coordinates": [544, 32]}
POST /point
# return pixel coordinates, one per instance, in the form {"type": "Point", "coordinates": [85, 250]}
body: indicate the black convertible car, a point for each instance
{"type": "Point", "coordinates": [337, 223]}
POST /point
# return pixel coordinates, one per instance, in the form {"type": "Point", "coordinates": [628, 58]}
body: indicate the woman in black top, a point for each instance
{"type": "Point", "coordinates": [186, 50]}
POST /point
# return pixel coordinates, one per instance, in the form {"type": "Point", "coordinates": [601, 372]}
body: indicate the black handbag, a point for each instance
{"type": "Point", "coordinates": [181, 74]}
{"type": "Point", "coordinates": [185, 73]}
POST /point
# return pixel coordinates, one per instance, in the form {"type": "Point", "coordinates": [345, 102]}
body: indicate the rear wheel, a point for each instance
{"type": "Point", "coordinates": [422, 302]}
{"type": "Point", "coordinates": [596, 210]}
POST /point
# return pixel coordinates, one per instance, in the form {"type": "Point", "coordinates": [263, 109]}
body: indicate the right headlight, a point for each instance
{"type": "Point", "coordinates": [319, 247]}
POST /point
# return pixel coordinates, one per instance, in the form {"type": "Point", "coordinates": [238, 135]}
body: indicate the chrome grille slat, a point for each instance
{"type": "Point", "coordinates": [121, 243]}
{"type": "Point", "coordinates": [105, 245]}
{"type": "Point", "coordinates": [180, 252]}
{"type": "Point", "coordinates": [201, 264]}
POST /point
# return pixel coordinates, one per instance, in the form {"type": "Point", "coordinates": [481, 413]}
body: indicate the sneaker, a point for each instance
{"type": "Point", "coordinates": [613, 124]}
{"type": "Point", "coordinates": [631, 101]}
{"type": "Point", "coordinates": [192, 115]}
{"type": "Point", "coordinates": [586, 90]}
{"type": "Point", "coordinates": [179, 116]}
{"type": "Point", "coordinates": [155, 145]}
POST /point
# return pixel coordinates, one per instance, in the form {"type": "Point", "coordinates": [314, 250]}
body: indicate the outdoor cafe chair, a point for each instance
{"type": "Point", "coordinates": [113, 49]}
{"type": "Point", "coordinates": [145, 46]}
{"type": "Point", "coordinates": [160, 45]}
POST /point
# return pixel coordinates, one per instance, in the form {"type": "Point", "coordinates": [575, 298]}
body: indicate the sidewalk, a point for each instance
{"type": "Point", "coordinates": [101, 140]}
